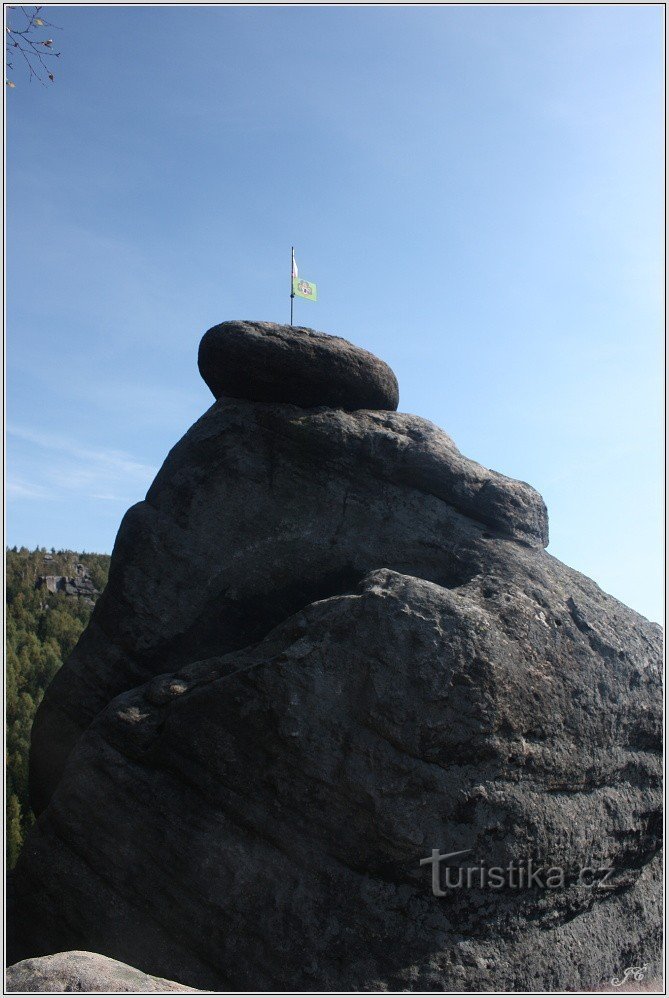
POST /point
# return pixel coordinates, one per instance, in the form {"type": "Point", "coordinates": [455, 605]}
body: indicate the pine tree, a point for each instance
{"type": "Point", "coordinates": [42, 629]}
{"type": "Point", "coordinates": [14, 833]}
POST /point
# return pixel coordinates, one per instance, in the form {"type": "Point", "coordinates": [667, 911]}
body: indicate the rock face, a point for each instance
{"type": "Point", "coordinates": [330, 644]}
{"type": "Point", "coordinates": [268, 363]}
{"type": "Point", "coordinates": [79, 971]}
{"type": "Point", "coordinates": [258, 511]}
{"type": "Point", "coordinates": [80, 585]}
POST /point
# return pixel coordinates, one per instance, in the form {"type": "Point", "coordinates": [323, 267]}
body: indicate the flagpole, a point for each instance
{"type": "Point", "coordinates": [292, 292]}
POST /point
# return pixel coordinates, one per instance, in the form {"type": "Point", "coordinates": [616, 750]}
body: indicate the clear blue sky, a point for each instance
{"type": "Point", "coordinates": [477, 192]}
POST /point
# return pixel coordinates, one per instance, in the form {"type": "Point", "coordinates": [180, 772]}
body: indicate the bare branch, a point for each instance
{"type": "Point", "coordinates": [28, 40]}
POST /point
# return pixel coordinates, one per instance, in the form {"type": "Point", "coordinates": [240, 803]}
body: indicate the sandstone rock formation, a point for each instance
{"type": "Point", "coordinates": [258, 511]}
{"type": "Point", "coordinates": [79, 971]}
{"type": "Point", "coordinates": [331, 644]}
{"type": "Point", "coordinates": [268, 363]}
{"type": "Point", "coordinates": [80, 585]}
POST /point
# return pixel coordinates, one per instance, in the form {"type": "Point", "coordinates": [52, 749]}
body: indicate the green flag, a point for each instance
{"type": "Point", "coordinates": [304, 289]}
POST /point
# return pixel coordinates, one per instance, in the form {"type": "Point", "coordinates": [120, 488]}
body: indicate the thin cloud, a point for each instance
{"type": "Point", "coordinates": [109, 498]}
{"type": "Point", "coordinates": [19, 488]}
{"type": "Point", "coordinates": [72, 467]}
{"type": "Point", "coordinates": [114, 461]}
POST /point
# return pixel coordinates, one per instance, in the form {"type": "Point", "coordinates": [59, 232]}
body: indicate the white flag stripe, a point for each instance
{"type": "Point", "coordinates": [295, 273]}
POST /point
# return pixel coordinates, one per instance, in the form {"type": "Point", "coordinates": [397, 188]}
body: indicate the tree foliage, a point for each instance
{"type": "Point", "coordinates": [42, 630]}
{"type": "Point", "coordinates": [27, 44]}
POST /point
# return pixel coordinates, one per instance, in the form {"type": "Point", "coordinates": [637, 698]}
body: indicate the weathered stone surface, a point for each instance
{"type": "Point", "coordinates": [257, 821]}
{"type": "Point", "coordinates": [266, 362]}
{"type": "Point", "coordinates": [78, 971]}
{"type": "Point", "coordinates": [257, 511]}
{"type": "Point", "coordinates": [329, 645]}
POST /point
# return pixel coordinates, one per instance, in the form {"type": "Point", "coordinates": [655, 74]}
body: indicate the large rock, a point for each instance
{"type": "Point", "coordinates": [83, 972]}
{"type": "Point", "coordinates": [330, 644]}
{"type": "Point", "coordinates": [265, 362]}
{"type": "Point", "coordinates": [257, 821]}
{"type": "Point", "coordinates": [259, 510]}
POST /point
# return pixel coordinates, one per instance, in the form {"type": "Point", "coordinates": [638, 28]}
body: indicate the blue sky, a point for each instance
{"type": "Point", "coordinates": [477, 192]}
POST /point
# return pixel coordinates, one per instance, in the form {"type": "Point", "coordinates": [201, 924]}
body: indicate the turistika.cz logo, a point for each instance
{"type": "Point", "coordinates": [448, 874]}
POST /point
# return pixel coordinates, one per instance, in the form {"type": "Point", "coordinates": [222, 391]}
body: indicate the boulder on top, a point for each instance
{"type": "Point", "coordinates": [266, 362]}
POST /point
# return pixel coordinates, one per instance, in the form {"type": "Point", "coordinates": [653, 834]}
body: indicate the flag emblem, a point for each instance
{"type": "Point", "coordinates": [304, 289]}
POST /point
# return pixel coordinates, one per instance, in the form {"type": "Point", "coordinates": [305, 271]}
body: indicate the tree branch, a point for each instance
{"type": "Point", "coordinates": [33, 48]}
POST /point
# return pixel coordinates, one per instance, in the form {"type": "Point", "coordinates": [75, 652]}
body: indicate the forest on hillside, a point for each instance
{"type": "Point", "coordinates": [42, 629]}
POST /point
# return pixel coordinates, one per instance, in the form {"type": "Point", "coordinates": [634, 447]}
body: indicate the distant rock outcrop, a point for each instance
{"type": "Point", "coordinates": [329, 645]}
{"type": "Point", "coordinates": [80, 585]}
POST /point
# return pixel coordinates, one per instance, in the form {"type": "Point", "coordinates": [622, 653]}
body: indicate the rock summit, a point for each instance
{"type": "Point", "coordinates": [264, 362]}
{"type": "Point", "coordinates": [330, 645]}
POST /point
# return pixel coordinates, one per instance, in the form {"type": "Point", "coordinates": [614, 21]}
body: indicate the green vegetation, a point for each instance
{"type": "Point", "coordinates": [42, 630]}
